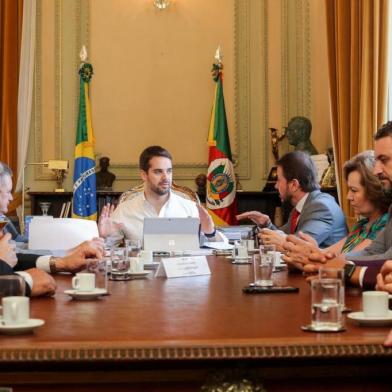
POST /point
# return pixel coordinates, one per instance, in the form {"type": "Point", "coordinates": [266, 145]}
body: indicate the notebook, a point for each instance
{"type": "Point", "coordinates": [171, 234]}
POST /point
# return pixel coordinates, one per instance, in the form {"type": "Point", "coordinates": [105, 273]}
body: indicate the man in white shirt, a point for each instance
{"type": "Point", "coordinates": [157, 200]}
{"type": "Point", "coordinates": [314, 213]}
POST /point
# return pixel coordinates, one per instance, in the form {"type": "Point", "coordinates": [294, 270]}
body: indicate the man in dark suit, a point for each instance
{"type": "Point", "coordinates": [33, 268]}
{"type": "Point", "coordinates": [314, 213]}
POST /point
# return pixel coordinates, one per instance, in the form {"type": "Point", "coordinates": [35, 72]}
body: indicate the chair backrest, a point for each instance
{"type": "Point", "coordinates": [181, 191]}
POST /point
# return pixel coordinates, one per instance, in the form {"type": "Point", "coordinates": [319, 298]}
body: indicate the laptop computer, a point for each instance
{"type": "Point", "coordinates": [171, 234]}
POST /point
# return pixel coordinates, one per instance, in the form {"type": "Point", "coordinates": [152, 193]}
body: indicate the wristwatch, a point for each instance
{"type": "Point", "coordinates": [348, 272]}
{"type": "Point", "coordinates": [210, 235]}
{"type": "Point", "coordinates": [52, 265]}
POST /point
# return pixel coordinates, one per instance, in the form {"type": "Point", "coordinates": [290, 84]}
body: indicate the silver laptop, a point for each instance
{"type": "Point", "coordinates": [171, 234]}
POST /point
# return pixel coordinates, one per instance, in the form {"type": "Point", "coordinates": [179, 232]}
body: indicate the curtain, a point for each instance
{"type": "Point", "coordinates": [26, 82]}
{"type": "Point", "coordinates": [357, 54]}
{"type": "Point", "coordinates": [10, 40]}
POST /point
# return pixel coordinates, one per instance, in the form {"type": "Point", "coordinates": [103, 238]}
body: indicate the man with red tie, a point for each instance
{"type": "Point", "coordinates": [314, 213]}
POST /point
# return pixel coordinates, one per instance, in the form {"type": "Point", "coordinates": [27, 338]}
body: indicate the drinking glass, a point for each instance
{"type": "Point", "coordinates": [335, 273]}
{"type": "Point", "coordinates": [262, 269]}
{"type": "Point", "coordinates": [12, 285]}
{"type": "Point", "coordinates": [119, 263]}
{"type": "Point", "coordinates": [326, 309]}
{"type": "Point", "coordinates": [133, 248]}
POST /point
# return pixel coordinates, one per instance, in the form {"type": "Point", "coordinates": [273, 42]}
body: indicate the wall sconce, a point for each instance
{"type": "Point", "coordinates": [161, 4]}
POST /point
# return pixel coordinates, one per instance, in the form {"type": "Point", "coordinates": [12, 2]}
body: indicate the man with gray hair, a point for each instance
{"type": "Point", "coordinates": [34, 268]}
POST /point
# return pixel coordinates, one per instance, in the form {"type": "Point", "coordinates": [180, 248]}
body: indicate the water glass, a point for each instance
{"type": "Point", "coordinates": [326, 309]}
{"type": "Point", "coordinates": [335, 273]}
{"type": "Point", "coordinates": [133, 248]}
{"type": "Point", "coordinates": [240, 250]}
{"type": "Point", "coordinates": [262, 269]}
{"type": "Point", "coordinates": [119, 263]}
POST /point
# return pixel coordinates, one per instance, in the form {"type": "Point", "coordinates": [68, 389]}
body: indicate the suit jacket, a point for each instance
{"type": "Point", "coordinates": [25, 261]}
{"type": "Point", "coordinates": [322, 218]}
{"type": "Point", "coordinates": [7, 286]}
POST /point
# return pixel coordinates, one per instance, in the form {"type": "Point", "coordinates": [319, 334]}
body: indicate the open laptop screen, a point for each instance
{"type": "Point", "coordinates": [171, 234]}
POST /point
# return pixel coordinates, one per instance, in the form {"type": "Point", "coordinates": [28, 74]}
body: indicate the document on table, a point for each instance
{"type": "Point", "coordinates": [60, 233]}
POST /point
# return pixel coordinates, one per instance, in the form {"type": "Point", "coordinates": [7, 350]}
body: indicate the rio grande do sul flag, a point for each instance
{"type": "Point", "coordinates": [84, 189]}
{"type": "Point", "coordinates": [221, 190]}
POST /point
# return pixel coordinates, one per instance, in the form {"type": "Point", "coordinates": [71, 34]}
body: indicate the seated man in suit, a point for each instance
{"type": "Point", "coordinates": [35, 268]}
{"type": "Point", "coordinates": [157, 200]}
{"type": "Point", "coordinates": [362, 267]}
{"type": "Point", "coordinates": [314, 213]}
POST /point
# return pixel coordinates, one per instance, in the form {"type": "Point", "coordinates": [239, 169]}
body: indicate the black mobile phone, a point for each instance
{"type": "Point", "coordinates": [267, 290]}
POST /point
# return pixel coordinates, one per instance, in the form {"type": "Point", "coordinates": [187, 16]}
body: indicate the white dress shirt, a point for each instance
{"type": "Point", "coordinates": [131, 214]}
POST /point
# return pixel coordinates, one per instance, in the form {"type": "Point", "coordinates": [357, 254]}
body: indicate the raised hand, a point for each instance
{"type": "Point", "coordinates": [106, 226]}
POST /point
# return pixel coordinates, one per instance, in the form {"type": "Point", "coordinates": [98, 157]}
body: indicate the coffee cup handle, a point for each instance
{"type": "Point", "coordinates": [75, 283]}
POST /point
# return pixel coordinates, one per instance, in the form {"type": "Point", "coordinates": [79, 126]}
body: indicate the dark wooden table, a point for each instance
{"type": "Point", "coordinates": [170, 334]}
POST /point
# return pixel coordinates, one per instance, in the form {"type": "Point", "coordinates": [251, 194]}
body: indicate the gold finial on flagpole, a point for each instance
{"type": "Point", "coordinates": [218, 55]}
{"type": "Point", "coordinates": [83, 54]}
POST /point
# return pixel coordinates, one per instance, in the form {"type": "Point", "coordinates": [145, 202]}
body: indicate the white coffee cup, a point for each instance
{"type": "Point", "coordinates": [146, 256]}
{"type": "Point", "coordinates": [83, 282]}
{"type": "Point", "coordinates": [135, 265]}
{"type": "Point", "coordinates": [375, 303]}
{"type": "Point", "coordinates": [16, 310]}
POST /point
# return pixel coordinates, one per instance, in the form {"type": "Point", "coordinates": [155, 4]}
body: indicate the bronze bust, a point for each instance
{"type": "Point", "coordinates": [104, 177]}
{"type": "Point", "coordinates": [298, 135]}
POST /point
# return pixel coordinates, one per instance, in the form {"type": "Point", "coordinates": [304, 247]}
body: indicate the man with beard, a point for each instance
{"type": "Point", "coordinates": [314, 213]}
{"type": "Point", "coordinates": [157, 200]}
{"type": "Point", "coordinates": [363, 267]}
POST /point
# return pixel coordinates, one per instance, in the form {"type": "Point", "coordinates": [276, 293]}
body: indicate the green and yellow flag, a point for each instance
{"type": "Point", "coordinates": [221, 190]}
{"type": "Point", "coordinates": [84, 189]}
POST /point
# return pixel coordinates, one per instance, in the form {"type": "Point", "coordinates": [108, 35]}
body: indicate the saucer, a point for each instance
{"type": "Point", "coordinates": [240, 260]}
{"type": "Point", "coordinates": [16, 329]}
{"type": "Point", "coordinates": [86, 295]}
{"type": "Point", "coordinates": [139, 275]}
{"type": "Point", "coordinates": [360, 318]}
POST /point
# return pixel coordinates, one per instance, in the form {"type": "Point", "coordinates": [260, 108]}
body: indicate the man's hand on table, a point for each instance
{"type": "Point", "coordinates": [299, 253]}
{"type": "Point", "coordinates": [384, 278]}
{"type": "Point", "coordinates": [43, 283]}
{"type": "Point", "coordinates": [272, 237]}
{"type": "Point", "coordinates": [87, 254]}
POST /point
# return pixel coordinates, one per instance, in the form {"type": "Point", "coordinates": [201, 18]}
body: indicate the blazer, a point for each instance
{"type": "Point", "coordinates": [322, 218]}
{"type": "Point", "coordinates": [25, 261]}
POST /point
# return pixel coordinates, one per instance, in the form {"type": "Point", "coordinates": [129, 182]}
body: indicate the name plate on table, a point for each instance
{"type": "Point", "coordinates": [175, 267]}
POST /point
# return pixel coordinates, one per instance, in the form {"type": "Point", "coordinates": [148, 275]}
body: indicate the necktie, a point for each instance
{"type": "Point", "coordinates": [294, 220]}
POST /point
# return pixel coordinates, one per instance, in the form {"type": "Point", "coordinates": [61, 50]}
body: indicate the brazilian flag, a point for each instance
{"type": "Point", "coordinates": [84, 189]}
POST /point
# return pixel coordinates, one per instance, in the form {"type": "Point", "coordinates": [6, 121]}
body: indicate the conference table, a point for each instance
{"type": "Point", "coordinates": [180, 334]}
